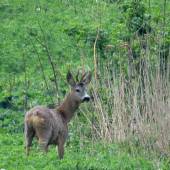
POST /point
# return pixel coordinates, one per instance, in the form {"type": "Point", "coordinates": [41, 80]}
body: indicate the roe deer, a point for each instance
{"type": "Point", "coordinates": [50, 126]}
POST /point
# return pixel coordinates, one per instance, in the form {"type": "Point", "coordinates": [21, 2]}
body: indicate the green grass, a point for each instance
{"type": "Point", "coordinates": [113, 156]}
{"type": "Point", "coordinates": [64, 28]}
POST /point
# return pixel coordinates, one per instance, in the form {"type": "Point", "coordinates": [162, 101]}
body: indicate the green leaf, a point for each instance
{"type": "Point", "coordinates": [157, 11]}
{"type": "Point", "coordinates": [6, 121]}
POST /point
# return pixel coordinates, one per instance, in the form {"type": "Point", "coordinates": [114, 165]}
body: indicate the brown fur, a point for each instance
{"type": "Point", "coordinates": [50, 126]}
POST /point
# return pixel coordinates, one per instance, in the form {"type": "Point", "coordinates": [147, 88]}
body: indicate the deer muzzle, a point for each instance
{"type": "Point", "coordinates": [86, 99]}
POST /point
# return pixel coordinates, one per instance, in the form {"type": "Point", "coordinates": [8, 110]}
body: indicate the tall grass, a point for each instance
{"type": "Point", "coordinates": [133, 106]}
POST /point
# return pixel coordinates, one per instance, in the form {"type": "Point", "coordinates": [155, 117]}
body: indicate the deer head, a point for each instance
{"type": "Point", "coordinates": [78, 88]}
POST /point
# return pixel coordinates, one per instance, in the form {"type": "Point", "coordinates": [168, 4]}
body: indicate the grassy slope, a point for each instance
{"type": "Point", "coordinates": [17, 16]}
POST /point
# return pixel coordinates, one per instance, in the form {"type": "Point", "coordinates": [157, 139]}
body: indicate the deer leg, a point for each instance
{"type": "Point", "coordinates": [61, 141]}
{"type": "Point", "coordinates": [44, 144]}
{"type": "Point", "coordinates": [29, 138]}
{"type": "Point", "coordinates": [61, 150]}
{"type": "Point", "coordinates": [43, 138]}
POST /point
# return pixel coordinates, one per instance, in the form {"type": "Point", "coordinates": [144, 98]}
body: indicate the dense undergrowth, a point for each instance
{"type": "Point", "coordinates": [127, 123]}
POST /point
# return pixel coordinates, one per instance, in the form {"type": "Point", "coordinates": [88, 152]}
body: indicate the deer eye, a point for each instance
{"type": "Point", "coordinates": [77, 90]}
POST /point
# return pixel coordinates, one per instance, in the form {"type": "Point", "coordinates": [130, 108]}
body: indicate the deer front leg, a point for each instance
{"type": "Point", "coordinates": [61, 151]}
{"type": "Point", "coordinates": [61, 142]}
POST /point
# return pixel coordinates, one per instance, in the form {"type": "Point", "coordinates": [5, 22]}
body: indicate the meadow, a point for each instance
{"type": "Point", "coordinates": [125, 43]}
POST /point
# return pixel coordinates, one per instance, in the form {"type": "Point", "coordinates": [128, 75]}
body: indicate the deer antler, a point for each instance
{"type": "Point", "coordinates": [83, 74]}
{"type": "Point", "coordinates": [76, 75]}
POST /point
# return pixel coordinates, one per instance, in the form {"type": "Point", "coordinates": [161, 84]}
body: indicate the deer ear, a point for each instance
{"type": "Point", "coordinates": [70, 79]}
{"type": "Point", "coordinates": [88, 79]}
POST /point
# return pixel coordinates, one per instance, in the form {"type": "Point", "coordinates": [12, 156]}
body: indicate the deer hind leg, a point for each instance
{"type": "Point", "coordinates": [43, 138]}
{"type": "Point", "coordinates": [29, 137]}
{"type": "Point", "coordinates": [43, 144]}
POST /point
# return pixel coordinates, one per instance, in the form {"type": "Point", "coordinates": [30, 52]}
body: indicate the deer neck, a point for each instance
{"type": "Point", "coordinates": [69, 107]}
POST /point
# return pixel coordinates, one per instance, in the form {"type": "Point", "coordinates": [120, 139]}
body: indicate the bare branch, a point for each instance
{"type": "Point", "coordinates": [25, 105]}
{"type": "Point", "coordinates": [42, 71]}
{"type": "Point", "coordinates": [36, 38]}
{"type": "Point", "coordinates": [10, 83]}
{"type": "Point", "coordinates": [48, 53]}
{"type": "Point", "coordinates": [119, 12]}
{"type": "Point", "coordinates": [63, 61]}
{"type": "Point", "coordinates": [62, 78]}
{"type": "Point", "coordinates": [45, 93]}
{"type": "Point", "coordinates": [55, 80]}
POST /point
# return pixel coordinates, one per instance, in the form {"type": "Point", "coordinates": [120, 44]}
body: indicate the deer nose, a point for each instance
{"type": "Point", "coordinates": [86, 99]}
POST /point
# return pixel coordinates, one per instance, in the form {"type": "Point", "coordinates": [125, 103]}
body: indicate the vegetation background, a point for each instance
{"type": "Point", "coordinates": [126, 43]}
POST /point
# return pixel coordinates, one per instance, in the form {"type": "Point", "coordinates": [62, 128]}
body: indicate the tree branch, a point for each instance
{"type": "Point", "coordinates": [55, 80]}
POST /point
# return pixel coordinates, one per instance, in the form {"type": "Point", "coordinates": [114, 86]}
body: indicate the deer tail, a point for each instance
{"type": "Point", "coordinates": [37, 120]}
